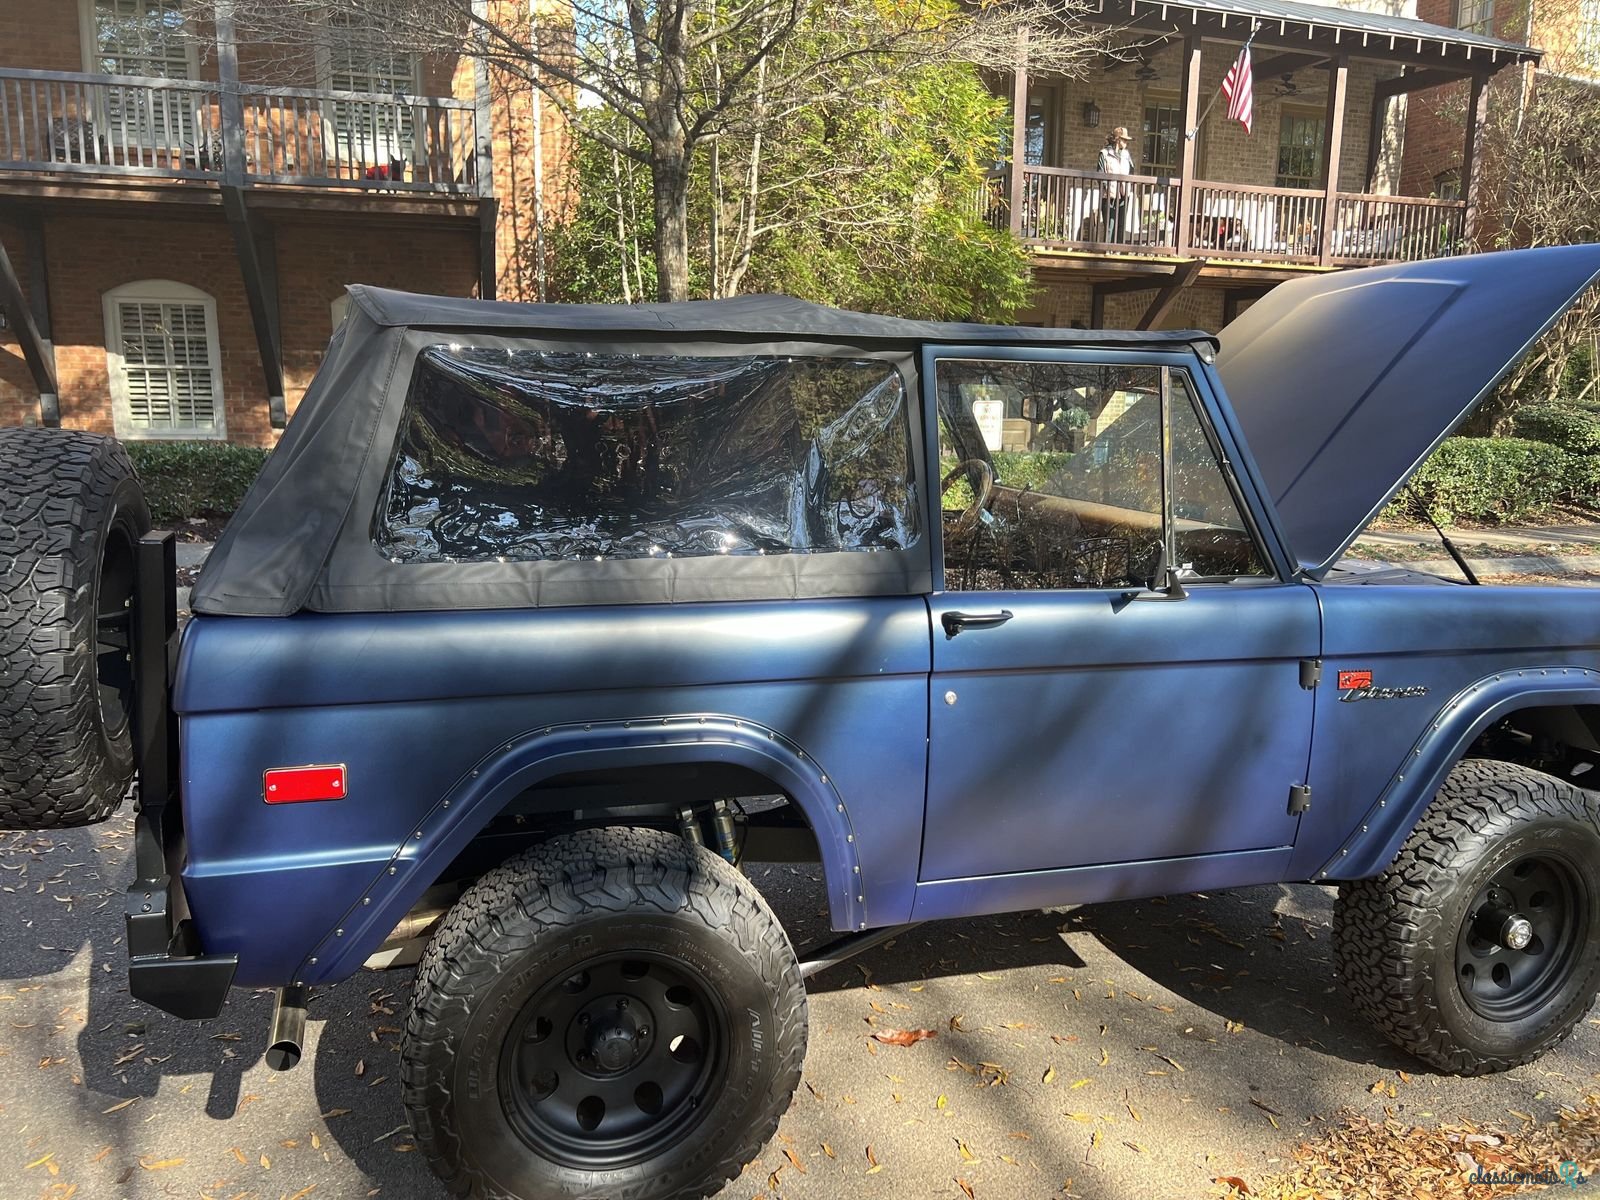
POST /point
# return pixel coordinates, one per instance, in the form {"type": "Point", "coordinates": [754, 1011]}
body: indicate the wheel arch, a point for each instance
{"type": "Point", "coordinates": [1373, 842]}
{"type": "Point", "coordinates": [521, 763]}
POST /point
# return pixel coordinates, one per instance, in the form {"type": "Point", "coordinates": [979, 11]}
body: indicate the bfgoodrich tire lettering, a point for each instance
{"type": "Point", "coordinates": [1399, 937]}
{"type": "Point", "coordinates": [579, 905]}
{"type": "Point", "coordinates": [71, 512]}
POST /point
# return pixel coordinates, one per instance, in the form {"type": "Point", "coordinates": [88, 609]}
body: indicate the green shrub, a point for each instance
{"type": "Point", "coordinates": [1495, 480]}
{"type": "Point", "coordinates": [1574, 429]}
{"type": "Point", "coordinates": [194, 479]}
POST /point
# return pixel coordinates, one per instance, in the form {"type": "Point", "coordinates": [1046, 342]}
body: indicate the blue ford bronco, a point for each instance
{"type": "Point", "coordinates": [542, 620]}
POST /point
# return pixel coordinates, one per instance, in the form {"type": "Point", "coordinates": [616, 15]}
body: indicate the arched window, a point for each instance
{"type": "Point", "coordinates": [164, 361]}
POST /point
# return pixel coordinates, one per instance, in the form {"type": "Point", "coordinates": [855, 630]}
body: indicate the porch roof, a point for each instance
{"type": "Point", "coordinates": [1289, 24]}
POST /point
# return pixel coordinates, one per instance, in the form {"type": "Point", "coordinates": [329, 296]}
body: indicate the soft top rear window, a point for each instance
{"type": "Point", "coordinates": [529, 455]}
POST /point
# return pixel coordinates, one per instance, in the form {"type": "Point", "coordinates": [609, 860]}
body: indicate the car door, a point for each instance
{"type": "Point", "coordinates": [1079, 717]}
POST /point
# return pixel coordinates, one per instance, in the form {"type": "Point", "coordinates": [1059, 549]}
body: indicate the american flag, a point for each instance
{"type": "Point", "coordinates": [1238, 87]}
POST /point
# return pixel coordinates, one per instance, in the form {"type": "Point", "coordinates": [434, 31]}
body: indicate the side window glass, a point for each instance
{"type": "Point", "coordinates": [1210, 536]}
{"type": "Point", "coordinates": [1051, 474]}
{"type": "Point", "coordinates": [1051, 477]}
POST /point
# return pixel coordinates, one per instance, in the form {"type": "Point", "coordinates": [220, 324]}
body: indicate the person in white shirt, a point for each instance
{"type": "Point", "coordinates": [1115, 160]}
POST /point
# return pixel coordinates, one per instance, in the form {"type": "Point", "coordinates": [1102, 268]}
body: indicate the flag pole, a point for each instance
{"type": "Point", "coordinates": [1255, 26]}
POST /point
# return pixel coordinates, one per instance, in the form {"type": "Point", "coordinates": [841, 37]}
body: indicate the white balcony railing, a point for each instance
{"type": "Point", "coordinates": [55, 122]}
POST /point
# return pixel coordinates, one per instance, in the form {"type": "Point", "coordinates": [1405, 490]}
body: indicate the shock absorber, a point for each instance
{"type": "Point", "coordinates": [689, 826]}
{"type": "Point", "coordinates": [727, 838]}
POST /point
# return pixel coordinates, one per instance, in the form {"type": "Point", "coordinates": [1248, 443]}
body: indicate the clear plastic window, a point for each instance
{"type": "Point", "coordinates": [528, 455]}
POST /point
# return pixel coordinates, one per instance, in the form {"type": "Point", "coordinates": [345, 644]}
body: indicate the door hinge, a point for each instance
{"type": "Point", "coordinates": [1310, 672]}
{"type": "Point", "coordinates": [1299, 798]}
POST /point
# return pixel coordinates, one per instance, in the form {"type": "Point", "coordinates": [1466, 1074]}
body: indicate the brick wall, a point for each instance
{"type": "Point", "coordinates": [1059, 303]}
{"type": "Point", "coordinates": [88, 255]}
{"type": "Point", "coordinates": [1226, 153]}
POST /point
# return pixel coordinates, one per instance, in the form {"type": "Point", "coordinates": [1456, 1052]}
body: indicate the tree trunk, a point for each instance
{"type": "Point", "coordinates": [669, 173]}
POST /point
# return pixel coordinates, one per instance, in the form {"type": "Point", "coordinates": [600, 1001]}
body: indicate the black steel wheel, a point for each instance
{"type": "Point", "coordinates": [1478, 948]}
{"type": "Point", "coordinates": [613, 1012]}
{"type": "Point", "coordinates": [1523, 937]}
{"type": "Point", "coordinates": [613, 1063]}
{"type": "Point", "coordinates": [71, 514]}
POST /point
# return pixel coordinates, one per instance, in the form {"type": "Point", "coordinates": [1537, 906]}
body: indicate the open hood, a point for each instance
{"type": "Point", "coordinates": [1345, 383]}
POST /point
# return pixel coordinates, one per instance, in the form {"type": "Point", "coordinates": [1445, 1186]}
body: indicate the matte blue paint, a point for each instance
{"type": "Point", "coordinates": [1097, 748]}
{"type": "Point", "coordinates": [1094, 729]}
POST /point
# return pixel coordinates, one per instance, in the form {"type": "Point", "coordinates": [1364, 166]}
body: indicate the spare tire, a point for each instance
{"type": "Point", "coordinates": [71, 515]}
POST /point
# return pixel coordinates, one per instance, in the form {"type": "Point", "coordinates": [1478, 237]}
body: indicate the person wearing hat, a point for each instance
{"type": "Point", "coordinates": [1115, 160]}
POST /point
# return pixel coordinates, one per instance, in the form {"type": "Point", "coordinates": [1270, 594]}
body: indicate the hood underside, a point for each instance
{"type": "Point", "coordinates": [1345, 383]}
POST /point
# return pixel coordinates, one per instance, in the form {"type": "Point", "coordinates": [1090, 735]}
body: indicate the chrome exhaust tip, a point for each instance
{"type": "Point", "coordinates": [288, 1034]}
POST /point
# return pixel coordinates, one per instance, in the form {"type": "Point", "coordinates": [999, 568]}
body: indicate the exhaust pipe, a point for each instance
{"type": "Point", "coordinates": [288, 1028]}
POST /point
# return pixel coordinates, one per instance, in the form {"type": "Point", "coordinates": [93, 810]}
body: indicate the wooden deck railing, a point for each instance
{"type": "Point", "coordinates": [56, 122]}
{"type": "Point", "coordinates": [1138, 214]}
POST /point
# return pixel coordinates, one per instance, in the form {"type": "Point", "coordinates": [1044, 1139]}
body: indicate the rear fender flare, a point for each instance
{"type": "Point", "coordinates": [513, 766]}
{"type": "Point", "coordinates": [1375, 840]}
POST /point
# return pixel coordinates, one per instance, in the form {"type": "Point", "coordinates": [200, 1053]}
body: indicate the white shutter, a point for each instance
{"type": "Point", "coordinates": [166, 364]}
{"type": "Point", "coordinates": [370, 133]}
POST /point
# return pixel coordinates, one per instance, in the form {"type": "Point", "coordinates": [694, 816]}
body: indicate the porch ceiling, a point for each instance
{"type": "Point", "coordinates": [1294, 24]}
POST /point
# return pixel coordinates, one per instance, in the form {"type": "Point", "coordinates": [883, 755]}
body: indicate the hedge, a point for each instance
{"type": "Point", "coordinates": [194, 479]}
{"type": "Point", "coordinates": [1497, 480]}
{"type": "Point", "coordinates": [1574, 429]}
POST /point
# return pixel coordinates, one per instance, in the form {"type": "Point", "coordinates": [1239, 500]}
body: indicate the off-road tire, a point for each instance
{"type": "Point", "coordinates": [70, 503]}
{"type": "Point", "coordinates": [1395, 935]}
{"type": "Point", "coordinates": [534, 920]}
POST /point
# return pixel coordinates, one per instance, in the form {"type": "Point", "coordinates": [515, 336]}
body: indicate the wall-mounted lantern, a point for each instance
{"type": "Point", "coordinates": [1091, 115]}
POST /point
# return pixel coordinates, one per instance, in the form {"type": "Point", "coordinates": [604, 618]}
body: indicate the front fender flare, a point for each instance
{"type": "Point", "coordinates": [1373, 843]}
{"type": "Point", "coordinates": [513, 766]}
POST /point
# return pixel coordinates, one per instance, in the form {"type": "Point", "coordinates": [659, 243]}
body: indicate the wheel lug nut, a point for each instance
{"type": "Point", "coordinates": [644, 1031]}
{"type": "Point", "coordinates": [583, 1018]}
{"type": "Point", "coordinates": [622, 1004]}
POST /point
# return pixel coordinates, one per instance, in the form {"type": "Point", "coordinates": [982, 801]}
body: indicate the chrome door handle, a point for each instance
{"type": "Point", "coordinates": [955, 622]}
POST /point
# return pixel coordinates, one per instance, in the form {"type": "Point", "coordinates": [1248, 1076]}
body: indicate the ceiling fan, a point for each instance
{"type": "Point", "coordinates": [1288, 87]}
{"type": "Point", "coordinates": [1146, 72]}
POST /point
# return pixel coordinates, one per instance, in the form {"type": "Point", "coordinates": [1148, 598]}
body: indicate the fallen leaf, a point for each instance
{"type": "Point", "coordinates": [39, 1162]}
{"type": "Point", "coordinates": [966, 1188]}
{"type": "Point", "coordinates": [966, 1154]}
{"type": "Point", "coordinates": [118, 1107]}
{"type": "Point", "coordinates": [794, 1161]}
{"type": "Point", "coordinates": [1234, 1182]}
{"type": "Point", "coordinates": [304, 1192]}
{"type": "Point", "coordinates": [955, 1024]}
{"type": "Point", "coordinates": [941, 1101]}
{"type": "Point", "coordinates": [161, 1165]}
{"type": "Point", "coordinates": [1049, 1075]}
{"type": "Point", "coordinates": [239, 1154]}
{"type": "Point", "coordinates": [828, 1150]}
{"type": "Point", "coordinates": [903, 1037]}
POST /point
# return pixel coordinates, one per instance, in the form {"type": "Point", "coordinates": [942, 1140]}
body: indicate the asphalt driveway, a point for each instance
{"type": "Point", "coordinates": [1138, 1049]}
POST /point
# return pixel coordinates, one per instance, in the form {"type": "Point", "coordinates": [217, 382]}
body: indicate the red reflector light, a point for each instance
{"type": "Point", "coordinates": [1354, 679]}
{"type": "Point", "coordinates": [294, 785]}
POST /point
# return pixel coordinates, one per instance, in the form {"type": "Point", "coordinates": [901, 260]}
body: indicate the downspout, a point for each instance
{"type": "Point", "coordinates": [538, 158]}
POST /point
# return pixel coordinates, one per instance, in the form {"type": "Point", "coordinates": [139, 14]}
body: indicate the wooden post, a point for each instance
{"type": "Point", "coordinates": [1019, 131]}
{"type": "Point", "coordinates": [39, 357]}
{"type": "Point", "coordinates": [1332, 145]}
{"type": "Point", "coordinates": [1188, 152]}
{"type": "Point", "coordinates": [1472, 157]}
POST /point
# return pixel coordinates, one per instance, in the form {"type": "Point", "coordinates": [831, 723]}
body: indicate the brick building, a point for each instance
{"type": "Point", "coordinates": [181, 209]}
{"type": "Point", "coordinates": [1207, 224]}
{"type": "Point", "coordinates": [1567, 31]}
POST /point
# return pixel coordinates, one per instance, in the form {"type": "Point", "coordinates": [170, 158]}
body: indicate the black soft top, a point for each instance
{"type": "Point", "coordinates": [742, 318]}
{"type": "Point", "coordinates": [303, 536]}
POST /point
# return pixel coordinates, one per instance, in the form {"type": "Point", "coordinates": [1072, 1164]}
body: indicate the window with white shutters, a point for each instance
{"type": "Point", "coordinates": [144, 38]}
{"type": "Point", "coordinates": [161, 349]}
{"type": "Point", "coordinates": [141, 37]}
{"type": "Point", "coordinates": [376, 133]}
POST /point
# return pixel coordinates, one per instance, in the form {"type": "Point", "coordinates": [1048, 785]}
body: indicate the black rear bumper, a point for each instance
{"type": "Point", "coordinates": [166, 966]}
